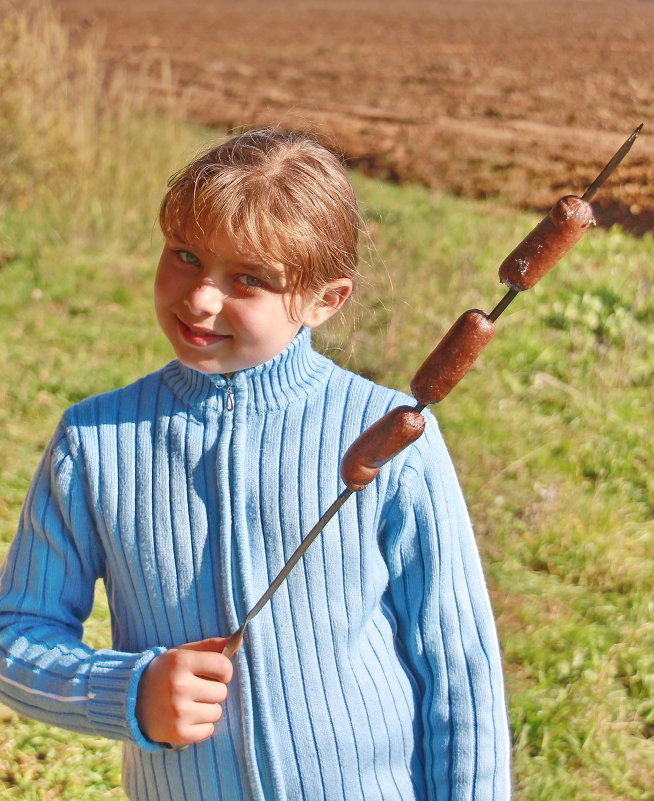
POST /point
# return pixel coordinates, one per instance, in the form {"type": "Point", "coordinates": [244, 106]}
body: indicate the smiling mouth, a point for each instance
{"type": "Point", "coordinates": [199, 337]}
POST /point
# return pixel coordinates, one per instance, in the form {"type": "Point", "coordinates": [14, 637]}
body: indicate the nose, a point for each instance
{"type": "Point", "coordinates": [204, 300]}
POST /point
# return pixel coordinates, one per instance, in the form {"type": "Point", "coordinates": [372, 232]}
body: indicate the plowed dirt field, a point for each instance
{"type": "Point", "coordinates": [524, 100]}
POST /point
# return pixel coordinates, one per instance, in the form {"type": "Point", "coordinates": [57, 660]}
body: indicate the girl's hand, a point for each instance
{"type": "Point", "coordinates": [180, 693]}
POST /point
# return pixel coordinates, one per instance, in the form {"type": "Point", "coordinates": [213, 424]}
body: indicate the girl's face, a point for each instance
{"type": "Point", "coordinates": [223, 310]}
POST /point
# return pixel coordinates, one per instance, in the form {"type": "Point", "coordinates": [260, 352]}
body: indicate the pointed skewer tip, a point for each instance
{"type": "Point", "coordinates": [622, 151]}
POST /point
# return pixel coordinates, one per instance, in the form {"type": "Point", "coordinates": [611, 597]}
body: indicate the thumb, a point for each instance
{"type": "Point", "coordinates": [215, 644]}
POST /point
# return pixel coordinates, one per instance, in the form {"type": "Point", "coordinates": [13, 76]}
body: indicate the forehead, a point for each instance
{"type": "Point", "coordinates": [252, 238]}
{"type": "Point", "coordinates": [217, 240]}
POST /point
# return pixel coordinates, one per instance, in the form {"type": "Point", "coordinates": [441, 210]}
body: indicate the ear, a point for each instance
{"type": "Point", "coordinates": [325, 304]}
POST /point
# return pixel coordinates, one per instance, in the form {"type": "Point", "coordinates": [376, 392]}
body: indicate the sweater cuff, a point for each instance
{"type": "Point", "coordinates": [113, 685]}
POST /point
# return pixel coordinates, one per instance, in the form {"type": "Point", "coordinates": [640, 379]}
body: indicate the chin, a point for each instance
{"type": "Point", "coordinates": [204, 365]}
{"type": "Point", "coordinates": [208, 364]}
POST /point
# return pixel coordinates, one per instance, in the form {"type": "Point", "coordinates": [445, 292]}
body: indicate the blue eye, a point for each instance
{"type": "Point", "coordinates": [188, 258]}
{"type": "Point", "coordinates": [249, 280]}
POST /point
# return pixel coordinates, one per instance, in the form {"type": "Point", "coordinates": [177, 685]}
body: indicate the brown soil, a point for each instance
{"type": "Point", "coordinates": [524, 100]}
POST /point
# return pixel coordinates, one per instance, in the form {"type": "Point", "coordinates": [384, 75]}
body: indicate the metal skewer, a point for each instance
{"type": "Point", "coordinates": [590, 193]}
{"type": "Point", "coordinates": [503, 304]}
{"type": "Point", "coordinates": [235, 640]}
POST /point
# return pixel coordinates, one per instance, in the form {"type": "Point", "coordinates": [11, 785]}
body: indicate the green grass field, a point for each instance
{"type": "Point", "coordinates": [551, 431]}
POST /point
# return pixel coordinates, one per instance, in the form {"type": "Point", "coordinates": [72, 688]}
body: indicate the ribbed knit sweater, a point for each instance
{"type": "Point", "coordinates": [374, 673]}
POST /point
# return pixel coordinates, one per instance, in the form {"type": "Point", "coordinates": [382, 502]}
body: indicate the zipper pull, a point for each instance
{"type": "Point", "coordinates": [229, 399]}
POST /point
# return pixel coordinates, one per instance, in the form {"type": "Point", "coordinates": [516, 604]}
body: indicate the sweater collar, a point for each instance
{"type": "Point", "coordinates": [289, 376]}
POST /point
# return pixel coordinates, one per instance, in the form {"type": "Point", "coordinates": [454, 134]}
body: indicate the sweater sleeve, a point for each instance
{"type": "Point", "coordinates": [47, 584]}
{"type": "Point", "coordinates": [446, 630]}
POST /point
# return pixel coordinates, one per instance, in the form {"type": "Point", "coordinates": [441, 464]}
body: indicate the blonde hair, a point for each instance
{"type": "Point", "coordinates": [281, 196]}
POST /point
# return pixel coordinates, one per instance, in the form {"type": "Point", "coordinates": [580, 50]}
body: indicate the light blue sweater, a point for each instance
{"type": "Point", "coordinates": [373, 674]}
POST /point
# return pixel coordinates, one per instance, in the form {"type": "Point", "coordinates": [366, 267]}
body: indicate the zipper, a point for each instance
{"type": "Point", "coordinates": [229, 395]}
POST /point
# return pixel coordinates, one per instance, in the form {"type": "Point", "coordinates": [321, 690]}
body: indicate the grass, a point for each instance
{"type": "Point", "coordinates": [550, 431]}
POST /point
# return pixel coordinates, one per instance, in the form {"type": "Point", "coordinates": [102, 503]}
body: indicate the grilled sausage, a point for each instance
{"type": "Point", "coordinates": [552, 238]}
{"type": "Point", "coordinates": [379, 443]}
{"type": "Point", "coordinates": [452, 357]}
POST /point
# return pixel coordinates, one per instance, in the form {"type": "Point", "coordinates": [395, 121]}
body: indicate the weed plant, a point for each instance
{"type": "Point", "coordinates": [550, 432]}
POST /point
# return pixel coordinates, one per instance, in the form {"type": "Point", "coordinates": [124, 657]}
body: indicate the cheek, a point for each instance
{"type": "Point", "coordinates": [266, 322]}
{"type": "Point", "coordinates": [167, 287]}
{"type": "Point", "coordinates": [246, 318]}
{"type": "Point", "coordinates": [158, 295]}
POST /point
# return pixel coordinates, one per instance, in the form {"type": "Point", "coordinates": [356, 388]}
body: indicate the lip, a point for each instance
{"type": "Point", "coordinates": [197, 336]}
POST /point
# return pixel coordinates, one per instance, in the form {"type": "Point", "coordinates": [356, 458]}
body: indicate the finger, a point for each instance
{"type": "Point", "coordinates": [210, 644]}
{"type": "Point", "coordinates": [209, 692]}
{"type": "Point", "coordinates": [194, 733]}
{"type": "Point", "coordinates": [206, 713]}
{"type": "Point", "coordinates": [206, 664]}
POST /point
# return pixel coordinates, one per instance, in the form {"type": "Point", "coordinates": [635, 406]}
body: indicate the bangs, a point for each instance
{"type": "Point", "coordinates": [197, 213]}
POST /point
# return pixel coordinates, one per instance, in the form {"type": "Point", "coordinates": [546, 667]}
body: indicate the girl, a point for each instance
{"type": "Point", "coordinates": [374, 672]}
